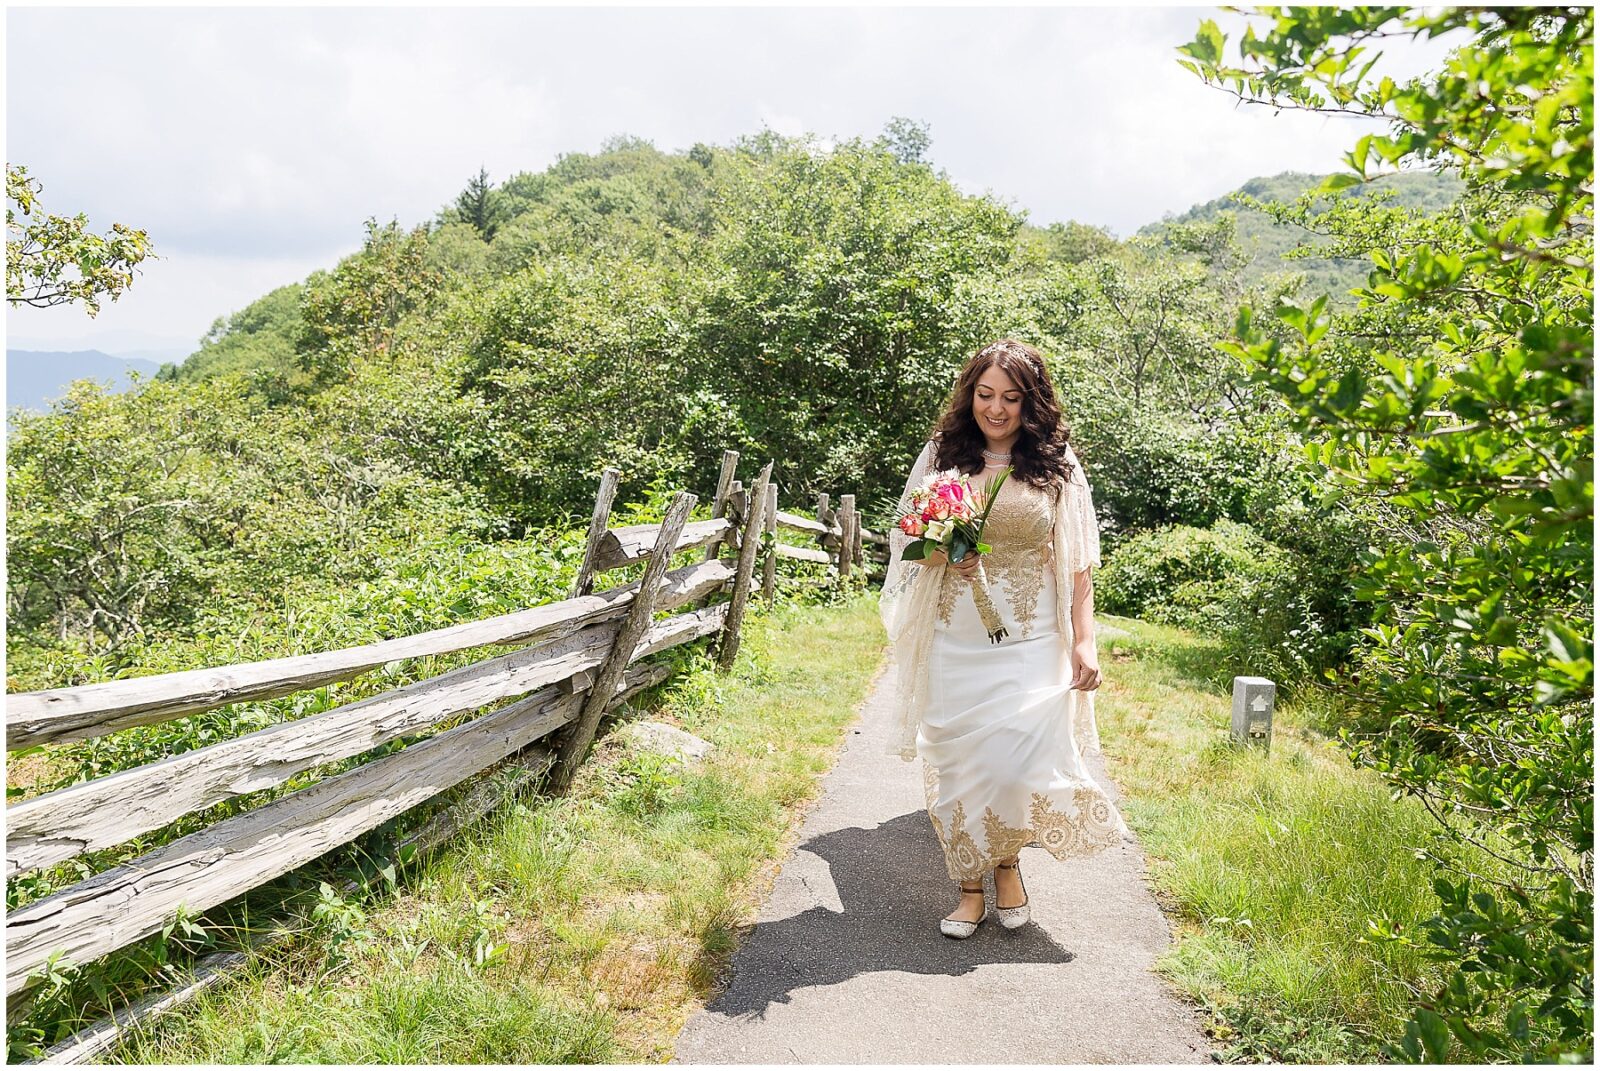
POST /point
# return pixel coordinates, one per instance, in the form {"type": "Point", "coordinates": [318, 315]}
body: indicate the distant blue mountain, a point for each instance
{"type": "Point", "coordinates": [34, 378]}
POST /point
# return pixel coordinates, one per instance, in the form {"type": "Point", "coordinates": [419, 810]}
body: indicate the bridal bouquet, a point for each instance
{"type": "Point", "coordinates": [947, 514]}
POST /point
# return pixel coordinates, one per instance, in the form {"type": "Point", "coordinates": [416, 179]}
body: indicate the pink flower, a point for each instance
{"type": "Point", "coordinates": [940, 509]}
{"type": "Point", "coordinates": [911, 524]}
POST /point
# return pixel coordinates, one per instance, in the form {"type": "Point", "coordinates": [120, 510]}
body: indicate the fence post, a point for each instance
{"type": "Point", "coordinates": [823, 519]}
{"type": "Point", "coordinates": [584, 583]}
{"type": "Point", "coordinates": [728, 645]}
{"type": "Point", "coordinates": [858, 543]}
{"type": "Point", "coordinates": [736, 512]}
{"type": "Point", "coordinates": [847, 519]}
{"type": "Point", "coordinates": [576, 743]}
{"type": "Point", "coordinates": [719, 505]}
{"type": "Point", "coordinates": [719, 508]}
{"type": "Point", "coordinates": [769, 568]}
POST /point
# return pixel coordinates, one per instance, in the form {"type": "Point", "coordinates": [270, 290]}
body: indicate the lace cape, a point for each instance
{"type": "Point", "coordinates": [909, 604]}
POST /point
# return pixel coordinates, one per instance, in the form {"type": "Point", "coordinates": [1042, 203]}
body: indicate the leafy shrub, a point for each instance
{"type": "Point", "coordinates": [1184, 576]}
{"type": "Point", "coordinates": [1269, 626]}
{"type": "Point", "coordinates": [1276, 591]}
{"type": "Point", "coordinates": [1151, 471]}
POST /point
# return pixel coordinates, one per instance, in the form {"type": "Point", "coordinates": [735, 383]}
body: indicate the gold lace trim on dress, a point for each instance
{"type": "Point", "coordinates": [1019, 531]}
{"type": "Point", "coordinates": [1092, 828]}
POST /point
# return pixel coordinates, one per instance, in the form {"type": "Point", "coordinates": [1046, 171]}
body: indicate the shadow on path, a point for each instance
{"type": "Point", "coordinates": [890, 905]}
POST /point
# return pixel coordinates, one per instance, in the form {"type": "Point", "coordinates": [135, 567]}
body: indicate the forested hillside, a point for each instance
{"type": "Point", "coordinates": [469, 378]}
{"type": "Point", "coordinates": [1275, 244]}
{"type": "Point", "coordinates": [264, 333]}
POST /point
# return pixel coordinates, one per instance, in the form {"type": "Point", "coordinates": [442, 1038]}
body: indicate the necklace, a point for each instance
{"type": "Point", "coordinates": [992, 456]}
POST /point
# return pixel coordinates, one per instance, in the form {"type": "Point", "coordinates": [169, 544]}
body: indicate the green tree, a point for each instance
{"type": "Point", "coordinates": [1143, 382]}
{"type": "Point", "coordinates": [840, 292]}
{"type": "Point", "coordinates": [629, 197]}
{"type": "Point", "coordinates": [1074, 243]}
{"type": "Point", "coordinates": [259, 337]}
{"type": "Point", "coordinates": [54, 260]}
{"type": "Point", "coordinates": [907, 140]}
{"type": "Point", "coordinates": [479, 204]}
{"type": "Point", "coordinates": [134, 513]}
{"type": "Point", "coordinates": [1150, 318]}
{"type": "Point", "coordinates": [574, 363]}
{"type": "Point", "coordinates": [1459, 398]}
{"type": "Point", "coordinates": [355, 310]}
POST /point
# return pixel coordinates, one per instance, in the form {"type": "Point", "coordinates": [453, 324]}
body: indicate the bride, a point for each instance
{"type": "Point", "coordinates": [999, 726]}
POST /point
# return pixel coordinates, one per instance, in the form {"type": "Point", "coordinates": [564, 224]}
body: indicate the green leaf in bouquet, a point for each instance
{"type": "Point", "coordinates": [990, 493]}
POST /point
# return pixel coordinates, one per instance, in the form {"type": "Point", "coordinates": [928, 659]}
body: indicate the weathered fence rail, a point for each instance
{"type": "Point", "coordinates": [578, 658]}
{"type": "Point", "coordinates": [214, 969]}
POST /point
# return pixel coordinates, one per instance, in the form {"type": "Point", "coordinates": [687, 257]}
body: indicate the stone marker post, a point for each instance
{"type": "Point", "coordinates": [1252, 710]}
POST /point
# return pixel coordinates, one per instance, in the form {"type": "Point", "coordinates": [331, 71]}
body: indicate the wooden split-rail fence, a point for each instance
{"type": "Point", "coordinates": [582, 657]}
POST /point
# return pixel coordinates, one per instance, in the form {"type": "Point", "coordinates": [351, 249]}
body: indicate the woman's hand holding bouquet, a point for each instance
{"type": "Point", "coordinates": [947, 516]}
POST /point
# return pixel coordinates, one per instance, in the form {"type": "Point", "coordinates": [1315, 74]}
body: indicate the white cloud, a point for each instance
{"type": "Point", "coordinates": [170, 305]}
{"type": "Point", "coordinates": [253, 142]}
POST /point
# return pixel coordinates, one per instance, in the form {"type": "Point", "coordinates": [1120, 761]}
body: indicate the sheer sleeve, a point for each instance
{"type": "Point", "coordinates": [906, 604]}
{"type": "Point", "coordinates": [1080, 533]}
{"type": "Point", "coordinates": [1076, 547]}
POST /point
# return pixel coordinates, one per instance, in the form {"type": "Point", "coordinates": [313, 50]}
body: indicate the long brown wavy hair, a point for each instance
{"type": "Point", "coordinates": [1038, 456]}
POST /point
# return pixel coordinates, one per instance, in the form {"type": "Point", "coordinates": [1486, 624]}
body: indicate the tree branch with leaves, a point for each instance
{"type": "Point", "coordinates": [1460, 392]}
{"type": "Point", "coordinates": [56, 260]}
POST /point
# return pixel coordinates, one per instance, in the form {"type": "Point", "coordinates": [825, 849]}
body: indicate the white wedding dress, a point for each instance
{"type": "Point", "coordinates": [1000, 734]}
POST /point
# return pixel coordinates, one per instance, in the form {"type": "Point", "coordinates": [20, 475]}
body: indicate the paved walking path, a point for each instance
{"type": "Point", "coordinates": [846, 963]}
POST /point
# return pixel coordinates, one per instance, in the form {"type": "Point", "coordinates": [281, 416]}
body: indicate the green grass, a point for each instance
{"type": "Point", "coordinates": [443, 1015]}
{"type": "Point", "coordinates": [587, 928]}
{"type": "Point", "coordinates": [579, 929]}
{"type": "Point", "coordinates": [1272, 863]}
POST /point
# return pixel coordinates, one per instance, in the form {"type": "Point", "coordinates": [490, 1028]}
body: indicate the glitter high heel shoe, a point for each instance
{"type": "Point", "coordinates": [959, 928]}
{"type": "Point", "coordinates": [1012, 917]}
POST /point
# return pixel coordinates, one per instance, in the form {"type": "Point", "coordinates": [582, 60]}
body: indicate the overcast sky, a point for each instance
{"type": "Point", "coordinates": [251, 143]}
